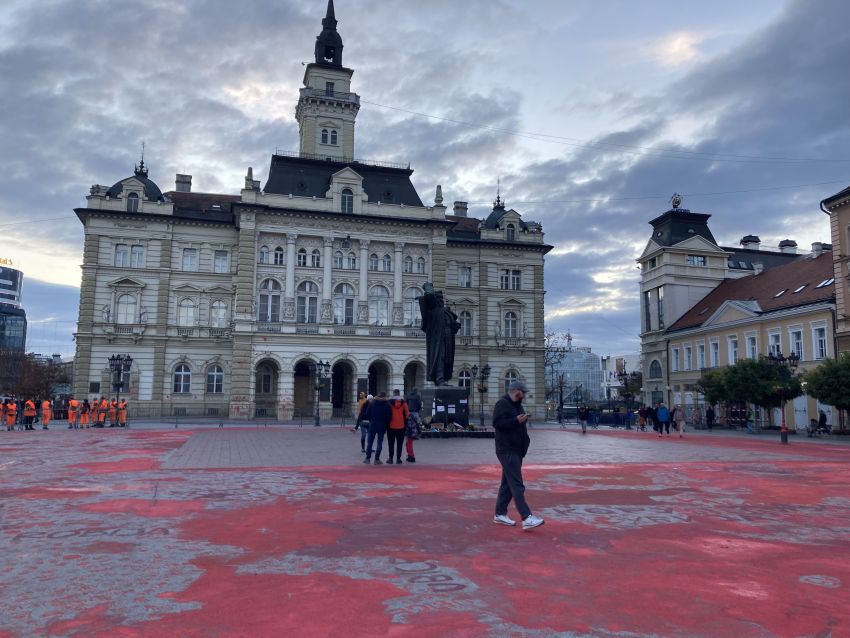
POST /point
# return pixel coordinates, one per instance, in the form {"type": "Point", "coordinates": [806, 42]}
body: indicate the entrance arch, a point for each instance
{"type": "Point", "coordinates": [342, 388]}
{"type": "Point", "coordinates": [303, 389]}
{"type": "Point", "coordinates": [266, 377]}
{"type": "Point", "coordinates": [379, 378]}
{"type": "Point", "coordinates": [414, 376]}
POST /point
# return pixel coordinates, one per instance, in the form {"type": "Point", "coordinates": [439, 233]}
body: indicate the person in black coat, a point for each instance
{"type": "Point", "coordinates": [512, 441]}
{"type": "Point", "coordinates": [378, 414]}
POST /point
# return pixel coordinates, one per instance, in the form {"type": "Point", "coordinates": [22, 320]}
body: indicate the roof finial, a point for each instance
{"type": "Point", "coordinates": [140, 169]}
{"type": "Point", "coordinates": [438, 199]}
{"type": "Point", "coordinates": [676, 201]}
{"type": "Point", "coordinates": [498, 203]}
{"type": "Point", "coordinates": [330, 18]}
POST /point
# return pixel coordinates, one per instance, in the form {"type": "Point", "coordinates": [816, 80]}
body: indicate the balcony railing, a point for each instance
{"type": "Point", "coordinates": [307, 330]}
{"type": "Point", "coordinates": [268, 327]}
{"type": "Point", "coordinates": [185, 332]}
{"type": "Point", "coordinates": [380, 332]}
{"type": "Point", "coordinates": [220, 333]}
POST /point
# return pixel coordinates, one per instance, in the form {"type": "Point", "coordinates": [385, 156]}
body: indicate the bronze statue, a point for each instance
{"type": "Point", "coordinates": [440, 325]}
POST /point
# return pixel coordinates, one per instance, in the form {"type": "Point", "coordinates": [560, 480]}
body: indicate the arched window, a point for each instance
{"type": "Point", "coordinates": [333, 138]}
{"type": "Point", "coordinates": [511, 325]}
{"type": "Point", "coordinates": [412, 316]}
{"type": "Point", "coordinates": [269, 307]}
{"type": "Point", "coordinates": [316, 258]}
{"type": "Point", "coordinates": [510, 232]}
{"type": "Point", "coordinates": [307, 303]}
{"type": "Point", "coordinates": [215, 380]}
{"type": "Point", "coordinates": [126, 309]}
{"type": "Point", "coordinates": [302, 257]}
{"type": "Point", "coordinates": [218, 314]}
{"type": "Point", "coordinates": [347, 201]}
{"type": "Point", "coordinates": [344, 304]}
{"type": "Point", "coordinates": [182, 379]}
{"type": "Point", "coordinates": [324, 136]}
{"type": "Point", "coordinates": [352, 261]}
{"type": "Point", "coordinates": [338, 260]}
{"type": "Point", "coordinates": [264, 254]}
{"type": "Point", "coordinates": [132, 203]}
{"type": "Point", "coordinates": [373, 262]}
{"type": "Point", "coordinates": [387, 263]}
{"type": "Point", "coordinates": [379, 306]}
{"type": "Point", "coordinates": [186, 313]}
{"type": "Point", "coordinates": [655, 370]}
{"type": "Point", "coordinates": [510, 377]}
{"type": "Point", "coordinates": [121, 255]}
{"type": "Point", "coordinates": [464, 379]}
{"type": "Point", "coordinates": [408, 264]}
{"type": "Point", "coordinates": [278, 256]}
{"type": "Point", "coordinates": [420, 266]}
{"type": "Point", "coordinates": [465, 323]}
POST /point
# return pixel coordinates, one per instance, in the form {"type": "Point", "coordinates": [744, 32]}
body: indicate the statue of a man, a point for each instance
{"type": "Point", "coordinates": [440, 326]}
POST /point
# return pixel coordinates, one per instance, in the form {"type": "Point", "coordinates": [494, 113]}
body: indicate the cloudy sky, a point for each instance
{"type": "Point", "coordinates": [591, 113]}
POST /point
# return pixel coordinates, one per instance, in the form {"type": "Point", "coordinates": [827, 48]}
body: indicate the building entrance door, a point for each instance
{"type": "Point", "coordinates": [303, 390]}
{"type": "Point", "coordinates": [342, 389]}
{"type": "Point", "coordinates": [266, 378]}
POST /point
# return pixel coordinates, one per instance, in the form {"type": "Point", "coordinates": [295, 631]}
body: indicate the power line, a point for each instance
{"type": "Point", "coordinates": [635, 149]}
{"type": "Point", "coordinates": [33, 221]}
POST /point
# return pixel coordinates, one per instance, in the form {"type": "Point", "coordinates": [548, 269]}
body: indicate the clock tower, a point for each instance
{"type": "Point", "coordinates": [326, 107]}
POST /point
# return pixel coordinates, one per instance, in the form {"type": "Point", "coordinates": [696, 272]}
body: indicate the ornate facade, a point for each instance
{"type": "Point", "coordinates": [226, 302]}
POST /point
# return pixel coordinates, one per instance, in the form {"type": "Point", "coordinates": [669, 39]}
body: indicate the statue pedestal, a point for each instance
{"type": "Point", "coordinates": [446, 404]}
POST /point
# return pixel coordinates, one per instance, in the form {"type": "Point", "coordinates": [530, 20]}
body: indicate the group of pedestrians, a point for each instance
{"type": "Point", "coordinates": [660, 417]}
{"type": "Point", "coordinates": [397, 418]}
{"type": "Point", "coordinates": [95, 414]}
{"type": "Point", "coordinates": [24, 414]}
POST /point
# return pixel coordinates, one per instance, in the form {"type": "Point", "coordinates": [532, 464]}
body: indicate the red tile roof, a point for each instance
{"type": "Point", "coordinates": [764, 287]}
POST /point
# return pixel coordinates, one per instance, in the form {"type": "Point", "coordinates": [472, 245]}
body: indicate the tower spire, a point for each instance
{"type": "Point", "coordinates": [329, 42]}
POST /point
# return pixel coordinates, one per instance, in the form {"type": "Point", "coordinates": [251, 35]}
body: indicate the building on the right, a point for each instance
{"type": "Point", "coordinates": [705, 306]}
{"type": "Point", "coordinates": [838, 208]}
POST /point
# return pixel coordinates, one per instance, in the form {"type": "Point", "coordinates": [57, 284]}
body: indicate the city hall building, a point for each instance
{"type": "Point", "coordinates": [226, 303]}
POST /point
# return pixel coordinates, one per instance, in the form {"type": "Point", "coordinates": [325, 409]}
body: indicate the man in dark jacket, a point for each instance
{"type": "Point", "coordinates": [512, 441]}
{"type": "Point", "coordinates": [378, 414]}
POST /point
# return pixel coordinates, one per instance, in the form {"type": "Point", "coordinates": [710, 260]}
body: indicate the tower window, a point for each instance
{"type": "Point", "coordinates": [316, 259]}
{"type": "Point", "coordinates": [330, 53]}
{"type": "Point", "coordinates": [347, 201]}
{"type": "Point", "coordinates": [329, 89]}
{"type": "Point", "coordinates": [278, 256]}
{"type": "Point", "coordinates": [302, 257]}
{"type": "Point", "coordinates": [324, 136]}
{"type": "Point", "coordinates": [333, 138]}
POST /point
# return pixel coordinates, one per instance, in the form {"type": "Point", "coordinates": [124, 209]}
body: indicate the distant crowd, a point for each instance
{"type": "Point", "coordinates": [23, 414]}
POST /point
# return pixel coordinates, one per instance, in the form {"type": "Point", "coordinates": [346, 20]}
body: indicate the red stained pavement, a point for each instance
{"type": "Point", "coordinates": [284, 532]}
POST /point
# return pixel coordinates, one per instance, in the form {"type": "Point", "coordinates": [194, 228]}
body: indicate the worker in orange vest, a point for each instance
{"type": "Point", "coordinates": [46, 413]}
{"type": "Point", "coordinates": [85, 414]}
{"type": "Point", "coordinates": [122, 413]}
{"type": "Point", "coordinates": [11, 414]}
{"type": "Point", "coordinates": [73, 406]}
{"type": "Point", "coordinates": [29, 414]}
{"type": "Point", "coordinates": [113, 413]}
{"type": "Point", "coordinates": [102, 409]}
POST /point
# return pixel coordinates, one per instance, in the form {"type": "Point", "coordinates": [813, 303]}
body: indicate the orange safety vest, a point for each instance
{"type": "Point", "coordinates": [29, 408]}
{"type": "Point", "coordinates": [73, 404]}
{"type": "Point", "coordinates": [46, 412]}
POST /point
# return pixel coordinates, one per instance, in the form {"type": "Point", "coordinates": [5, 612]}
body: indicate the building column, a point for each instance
{"type": "Point", "coordinates": [363, 292]}
{"type": "Point", "coordinates": [326, 313]}
{"type": "Point", "coordinates": [288, 310]}
{"type": "Point", "coordinates": [398, 309]}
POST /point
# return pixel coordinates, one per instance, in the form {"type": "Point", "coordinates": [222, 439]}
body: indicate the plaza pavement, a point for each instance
{"type": "Point", "coordinates": [282, 531]}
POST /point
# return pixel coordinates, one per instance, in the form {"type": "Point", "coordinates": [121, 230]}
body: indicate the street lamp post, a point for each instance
{"type": "Point", "coordinates": [786, 367]}
{"type": "Point", "coordinates": [561, 397]}
{"type": "Point", "coordinates": [118, 365]}
{"type": "Point", "coordinates": [482, 388]}
{"type": "Point", "coordinates": [322, 369]}
{"type": "Point", "coordinates": [472, 391]}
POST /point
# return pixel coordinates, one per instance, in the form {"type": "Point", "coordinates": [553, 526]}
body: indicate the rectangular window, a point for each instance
{"type": "Point", "coordinates": [733, 350]}
{"type": "Point", "coordinates": [796, 337]}
{"type": "Point", "coordinates": [700, 356]}
{"type": "Point", "coordinates": [504, 279]}
{"type": "Point", "coordinates": [329, 89]}
{"type": "Point", "coordinates": [121, 255]}
{"type": "Point", "coordinates": [516, 279]}
{"type": "Point", "coordinates": [688, 358]}
{"type": "Point", "coordinates": [660, 307]}
{"type": "Point", "coordinates": [752, 347]}
{"type": "Point", "coordinates": [774, 343]}
{"type": "Point", "coordinates": [715, 354]}
{"type": "Point", "coordinates": [465, 277]}
{"type": "Point", "coordinates": [190, 259]}
{"type": "Point", "coordinates": [137, 256]}
{"type": "Point", "coordinates": [307, 309]}
{"type": "Point", "coordinates": [819, 339]}
{"type": "Point", "coordinates": [652, 263]}
{"type": "Point", "coordinates": [696, 260]}
{"type": "Point", "coordinates": [220, 261]}
{"type": "Point", "coordinates": [647, 311]}
{"type": "Point", "coordinates": [674, 360]}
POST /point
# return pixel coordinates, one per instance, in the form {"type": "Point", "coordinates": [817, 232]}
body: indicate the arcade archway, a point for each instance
{"type": "Point", "coordinates": [266, 377]}
{"type": "Point", "coordinates": [303, 389]}
{"type": "Point", "coordinates": [342, 388]}
{"type": "Point", "coordinates": [379, 378]}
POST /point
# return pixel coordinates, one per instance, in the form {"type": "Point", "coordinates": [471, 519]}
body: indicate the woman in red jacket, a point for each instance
{"type": "Point", "coordinates": [395, 433]}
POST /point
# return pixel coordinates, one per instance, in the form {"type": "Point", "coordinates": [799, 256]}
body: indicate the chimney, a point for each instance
{"type": "Point", "coordinates": [751, 242]}
{"type": "Point", "coordinates": [817, 249]}
{"type": "Point", "coordinates": [57, 358]}
{"type": "Point", "coordinates": [758, 267]}
{"type": "Point", "coordinates": [460, 209]}
{"type": "Point", "coordinates": [788, 246]}
{"type": "Point", "coordinates": [183, 183]}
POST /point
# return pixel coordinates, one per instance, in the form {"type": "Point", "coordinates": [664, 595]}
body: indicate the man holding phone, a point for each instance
{"type": "Point", "coordinates": [512, 441]}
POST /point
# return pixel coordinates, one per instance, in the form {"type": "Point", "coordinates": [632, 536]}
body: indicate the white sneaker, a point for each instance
{"type": "Point", "coordinates": [503, 519]}
{"type": "Point", "coordinates": [532, 521]}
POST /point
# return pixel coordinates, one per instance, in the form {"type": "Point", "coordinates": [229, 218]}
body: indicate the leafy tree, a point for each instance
{"type": "Point", "coordinates": [830, 382]}
{"type": "Point", "coordinates": [712, 385]}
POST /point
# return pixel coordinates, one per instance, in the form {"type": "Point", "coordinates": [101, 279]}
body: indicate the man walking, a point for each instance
{"type": "Point", "coordinates": [378, 413]}
{"type": "Point", "coordinates": [512, 441]}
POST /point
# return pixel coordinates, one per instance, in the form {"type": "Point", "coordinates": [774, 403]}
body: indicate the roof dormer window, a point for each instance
{"type": "Point", "coordinates": [132, 203]}
{"type": "Point", "coordinates": [510, 232]}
